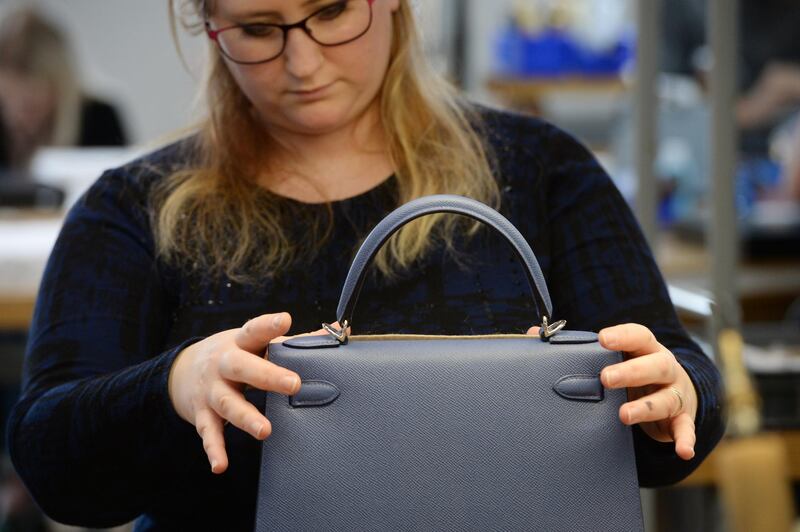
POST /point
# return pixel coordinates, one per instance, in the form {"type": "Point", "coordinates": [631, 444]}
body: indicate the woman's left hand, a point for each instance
{"type": "Point", "coordinates": [662, 398]}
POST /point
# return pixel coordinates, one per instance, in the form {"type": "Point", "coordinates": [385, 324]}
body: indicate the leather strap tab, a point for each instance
{"type": "Point", "coordinates": [314, 393]}
{"type": "Point", "coordinates": [580, 388]}
{"type": "Point", "coordinates": [316, 341]}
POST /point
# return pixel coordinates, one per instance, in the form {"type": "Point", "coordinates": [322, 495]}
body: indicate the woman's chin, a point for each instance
{"type": "Point", "coordinates": [317, 124]}
{"type": "Point", "coordinates": [315, 119]}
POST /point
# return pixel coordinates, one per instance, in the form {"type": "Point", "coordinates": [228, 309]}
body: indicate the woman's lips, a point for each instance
{"type": "Point", "coordinates": [312, 94]}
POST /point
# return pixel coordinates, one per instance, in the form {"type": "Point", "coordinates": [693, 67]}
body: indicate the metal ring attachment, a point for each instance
{"type": "Point", "coordinates": [341, 335]}
{"type": "Point", "coordinates": [547, 330]}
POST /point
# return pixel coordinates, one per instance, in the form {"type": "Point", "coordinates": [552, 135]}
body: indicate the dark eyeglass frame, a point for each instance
{"type": "Point", "coordinates": [285, 28]}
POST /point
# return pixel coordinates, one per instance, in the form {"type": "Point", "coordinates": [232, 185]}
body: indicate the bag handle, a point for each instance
{"type": "Point", "coordinates": [441, 203]}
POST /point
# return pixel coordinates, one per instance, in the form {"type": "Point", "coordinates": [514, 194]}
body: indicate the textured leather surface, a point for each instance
{"type": "Point", "coordinates": [448, 435]}
{"type": "Point", "coordinates": [580, 387]}
{"type": "Point", "coordinates": [449, 203]}
{"type": "Point", "coordinates": [314, 393]}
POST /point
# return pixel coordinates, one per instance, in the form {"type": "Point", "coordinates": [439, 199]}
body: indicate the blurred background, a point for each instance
{"type": "Point", "coordinates": [691, 105]}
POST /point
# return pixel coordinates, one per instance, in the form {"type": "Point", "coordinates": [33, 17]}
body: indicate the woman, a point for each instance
{"type": "Point", "coordinates": [40, 96]}
{"type": "Point", "coordinates": [138, 358]}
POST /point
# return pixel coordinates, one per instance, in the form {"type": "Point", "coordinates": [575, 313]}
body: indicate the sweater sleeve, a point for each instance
{"type": "Point", "coordinates": [94, 435]}
{"type": "Point", "coordinates": [603, 273]}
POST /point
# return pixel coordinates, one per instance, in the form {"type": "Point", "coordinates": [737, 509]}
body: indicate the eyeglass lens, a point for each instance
{"type": "Point", "coordinates": [336, 23]}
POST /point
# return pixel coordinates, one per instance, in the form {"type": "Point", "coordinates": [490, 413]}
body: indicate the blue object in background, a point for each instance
{"type": "Point", "coordinates": [605, 63]}
{"type": "Point", "coordinates": [754, 178]}
{"type": "Point", "coordinates": [546, 54]}
{"type": "Point", "coordinates": [554, 53]}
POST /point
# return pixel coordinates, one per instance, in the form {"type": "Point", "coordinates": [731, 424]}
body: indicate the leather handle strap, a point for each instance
{"type": "Point", "coordinates": [440, 203]}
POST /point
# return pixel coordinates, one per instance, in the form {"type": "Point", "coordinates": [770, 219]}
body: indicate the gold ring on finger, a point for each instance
{"type": "Point", "coordinates": [679, 395]}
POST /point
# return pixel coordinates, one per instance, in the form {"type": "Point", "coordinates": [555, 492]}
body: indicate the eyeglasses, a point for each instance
{"type": "Point", "coordinates": [335, 24]}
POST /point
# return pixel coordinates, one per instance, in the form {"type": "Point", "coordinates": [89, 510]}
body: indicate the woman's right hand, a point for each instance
{"type": "Point", "coordinates": [207, 378]}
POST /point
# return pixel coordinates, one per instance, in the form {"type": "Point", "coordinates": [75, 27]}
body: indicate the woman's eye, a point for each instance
{"type": "Point", "coordinates": [332, 11]}
{"type": "Point", "coordinates": [258, 30]}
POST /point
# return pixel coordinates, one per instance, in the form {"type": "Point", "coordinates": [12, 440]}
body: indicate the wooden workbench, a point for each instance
{"type": "Point", "coordinates": [706, 474]}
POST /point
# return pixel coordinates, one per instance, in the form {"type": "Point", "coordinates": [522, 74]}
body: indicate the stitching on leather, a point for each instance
{"type": "Point", "coordinates": [566, 338]}
{"type": "Point", "coordinates": [389, 337]}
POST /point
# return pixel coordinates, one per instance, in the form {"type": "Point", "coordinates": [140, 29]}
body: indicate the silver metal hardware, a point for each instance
{"type": "Point", "coordinates": [546, 330]}
{"type": "Point", "coordinates": [341, 335]}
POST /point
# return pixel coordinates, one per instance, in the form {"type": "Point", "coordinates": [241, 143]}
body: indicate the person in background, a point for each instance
{"type": "Point", "coordinates": [42, 104]}
{"type": "Point", "coordinates": [769, 60]}
{"type": "Point", "coordinates": [149, 347]}
{"type": "Point", "coordinates": [41, 98]}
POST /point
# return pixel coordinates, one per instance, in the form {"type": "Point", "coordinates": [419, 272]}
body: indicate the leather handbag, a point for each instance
{"type": "Point", "coordinates": [406, 432]}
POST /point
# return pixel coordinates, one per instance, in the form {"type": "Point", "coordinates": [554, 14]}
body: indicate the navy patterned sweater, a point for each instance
{"type": "Point", "coordinates": [94, 435]}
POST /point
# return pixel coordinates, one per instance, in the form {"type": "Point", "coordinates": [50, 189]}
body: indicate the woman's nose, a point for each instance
{"type": "Point", "coordinates": [302, 56]}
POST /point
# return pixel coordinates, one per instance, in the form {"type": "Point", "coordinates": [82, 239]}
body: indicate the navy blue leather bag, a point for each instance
{"type": "Point", "coordinates": [500, 432]}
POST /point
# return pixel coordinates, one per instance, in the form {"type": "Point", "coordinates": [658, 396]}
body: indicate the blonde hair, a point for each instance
{"type": "Point", "coordinates": [213, 216]}
{"type": "Point", "coordinates": [30, 45]}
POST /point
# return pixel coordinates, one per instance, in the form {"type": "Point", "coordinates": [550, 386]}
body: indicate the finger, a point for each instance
{"type": "Point", "coordinates": [257, 333]}
{"type": "Point", "coordinates": [534, 331]}
{"type": "Point", "coordinates": [231, 405]}
{"type": "Point", "coordinates": [632, 338]}
{"type": "Point", "coordinates": [243, 367]}
{"type": "Point", "coordinates": [656, 368]}
{"type": "Point", "coordinates": [209, 427]}
{"type": "Point", "coordinates": [662, 404]}
{"type": "Point", "coordinates": [318, 332]}
{"type": "Point", "coordinates": [684, 436]}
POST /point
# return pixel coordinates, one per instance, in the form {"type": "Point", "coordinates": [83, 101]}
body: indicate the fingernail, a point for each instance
{"type": "Point", "coordinates": [611, 377]}
{"type": "Point", "coordinates": [277, 320]}
{"type": "Point", "coordinates": [610, 339]}
{"type": "Point", "coordinates": [213, 466]}
{"type": "Point", "coordinates": [631, 415]}
{"type": "Point", "coordinates": [257, 429]}
{"type": "Point", "coordinates": [693, 453]}
{"type": "Point", "coordinates": [290, 383]}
